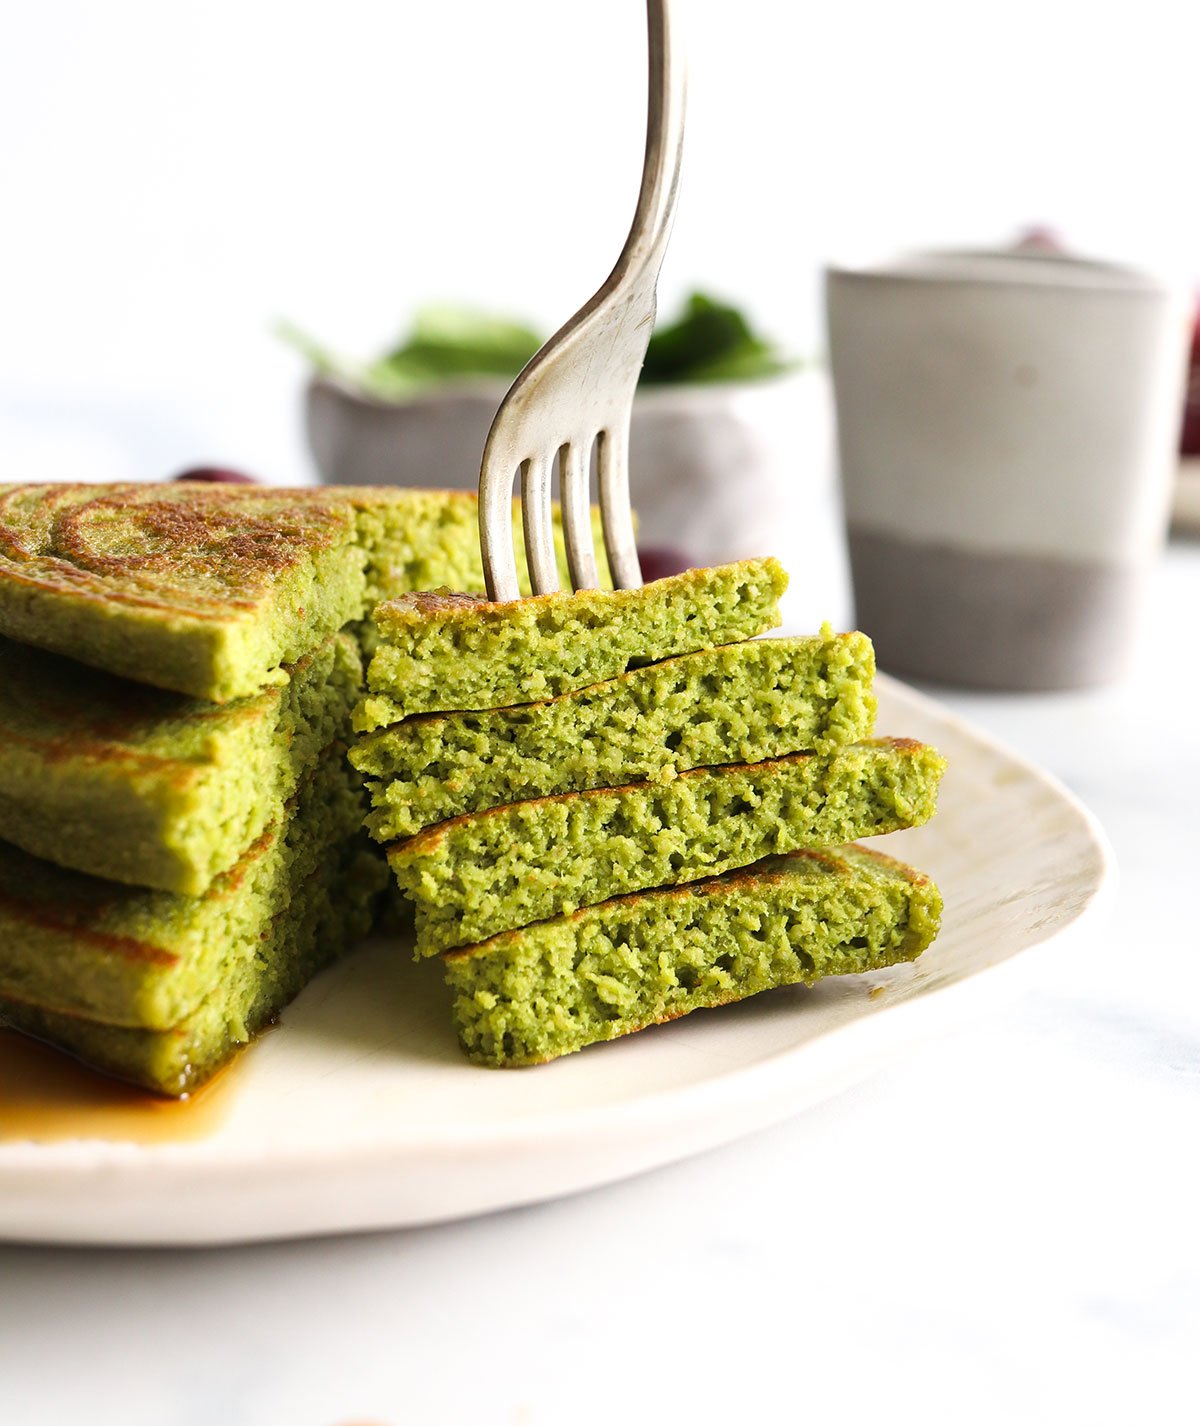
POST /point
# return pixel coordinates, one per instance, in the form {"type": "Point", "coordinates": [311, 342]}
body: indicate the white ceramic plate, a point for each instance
{"type": "Point", "coordinates": [359, 1112]}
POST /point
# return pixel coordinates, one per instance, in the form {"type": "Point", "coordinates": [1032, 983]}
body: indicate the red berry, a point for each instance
{"type": "Point", "coordinates": [1040, 239]}
{"type": "Point", "coordinates": [1189, 444]}
{"type": "Point", "coordinates": [215, 475]}
{"type": "Point", "coordinates": [658, 561]}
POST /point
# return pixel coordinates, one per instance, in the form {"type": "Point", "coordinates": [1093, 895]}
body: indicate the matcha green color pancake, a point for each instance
{"type": "Point", "coordinates": [328, 913]}
{"type": "Point", "coordinates": [76, 945]}
{"type": "Point", "coordinates": [153, 788]}
{"type": "Point", "coordinates": [211, 590]}
{"type": "Point", "coordinates": [533, 994]}
{"type": "Point", "coordinates": [493, 871]}
{"type": "Point", "coordinates": [741, 703]}
{"type": "Point", "coordinates": [444, 652]}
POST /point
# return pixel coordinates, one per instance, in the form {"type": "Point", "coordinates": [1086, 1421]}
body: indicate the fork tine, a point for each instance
{"type": "Point", "coordinates": [573, 485]}
{"type": "Point", "coordinates": [538, 520]}
{"type": "Point", "coordinates": [496, 526]}
{"type": "Point", "coordinates": [616, 515]}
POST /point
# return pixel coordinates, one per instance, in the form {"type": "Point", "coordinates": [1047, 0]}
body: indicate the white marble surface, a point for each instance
{"type": "Point", "coordinates": [1002, 1229]}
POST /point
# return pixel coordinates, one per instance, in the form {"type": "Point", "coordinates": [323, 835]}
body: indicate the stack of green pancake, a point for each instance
{"type": "Point", "coordinates": [607, 808]}
{"type": "Point", "coordinates": [181, 832]}
{"type": "Point", "coordinates": [610, 809]}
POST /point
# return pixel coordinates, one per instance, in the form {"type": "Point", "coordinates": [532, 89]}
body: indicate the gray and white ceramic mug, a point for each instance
{"type": "Point", "coordinates": [1007, 428]}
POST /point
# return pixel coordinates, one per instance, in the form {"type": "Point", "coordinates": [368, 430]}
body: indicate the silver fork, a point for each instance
{"type": "Point", "coordinates": [577, 391]}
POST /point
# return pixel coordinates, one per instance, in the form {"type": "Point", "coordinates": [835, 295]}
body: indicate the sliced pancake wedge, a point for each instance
{"type": "Point", "coordinates": [743, 702]}
{"type": "Point", "coordinates": [486, 872]}
{"type": "Point", "coordinates": [530, 995]}
{"type": "Point", "coordinates": [445, 652]}
{"type": "Point", "coordinates": [205, 589]}
{"type": "Point", "coordinates": [328, 913]}
{"type": "Point", "coordinates": [76, 945]}
{"type": "Point", "coordinates": [153, 788]}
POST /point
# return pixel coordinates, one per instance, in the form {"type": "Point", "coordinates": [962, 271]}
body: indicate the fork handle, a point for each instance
{"type": "Point", "coordinates": [667, 100]}
{"type": "Point", "coordinates": [592, 363]}
{"type": "Point", "coordinates": [632, 284]}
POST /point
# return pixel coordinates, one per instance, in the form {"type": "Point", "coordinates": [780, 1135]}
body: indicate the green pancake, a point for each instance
{"type": "Point", "coordinates": [211, 590]}
{"type": "Point", "coordinates": [327, 914]}
{"type": "Point", "coordinates": [444, 652]}
{"type": "Point", "coordinates": [153, 788]}
{"type": "Point", "coordinates": [493, 871]}
{"type": "Point", "coordinates": [530, 995]}
{"type": "Point", "coordinates": [741, 703]}
{"type": "Point", "coordinates": [79, 946]}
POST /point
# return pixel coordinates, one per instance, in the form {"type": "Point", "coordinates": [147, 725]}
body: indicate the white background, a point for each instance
{"type": "Point", "coordinates": [175, 176]}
